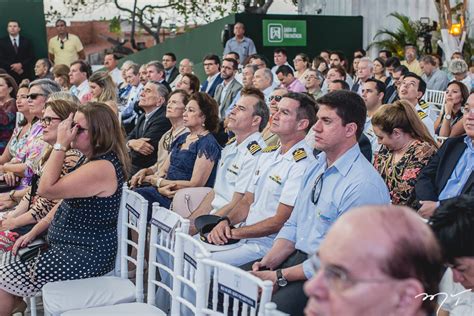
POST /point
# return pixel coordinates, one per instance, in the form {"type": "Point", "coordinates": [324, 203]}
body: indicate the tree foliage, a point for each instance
{"type": "Point", "coordinates": [150, 17]}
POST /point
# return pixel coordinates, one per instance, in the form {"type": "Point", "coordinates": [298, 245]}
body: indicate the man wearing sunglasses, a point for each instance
{"type": "Point", "coordinates": [341, 178]}
{"type": "Point", "coordinates": [374, 261]}
{"type": "Point", "coordinates": [66, 47]}
{"type": "Point", "coordinates": [450, 172]}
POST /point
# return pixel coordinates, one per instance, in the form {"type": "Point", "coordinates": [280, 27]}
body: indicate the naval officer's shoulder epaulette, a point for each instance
{"type": "Point", "coordinates": [254, 147]}
{"type": "Point", "coordinates": [231, 140]}
{"type": "Point", "coordinates": [421, 114]}
{"type": "Point", "coordinates": [269, 149]}
{"type": "Point", "coordinates": [423, 104]}
{"type": "Point", "coordinates": [299, 154]}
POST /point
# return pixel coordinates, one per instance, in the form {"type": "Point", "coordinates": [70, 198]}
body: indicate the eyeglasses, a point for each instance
{"type": "Point", "coordinates": [277, 98]}
{"type": "Point", "coordinates": [62, 44]}
{"type": "Point", "coordinates": [466, 110]}
{"type": "Point", "coordinates": [338, 279]}
{"type": "Point", "coordinates": [33, 96]}
{"type": "Point", "coordinates": [209, 64]}
{"type": "Point", "coordinates": [317, 187]}
{"type": "Point", "coordinates": [46, 120]}
{"type": "Point", "coordinates": [79, 128]}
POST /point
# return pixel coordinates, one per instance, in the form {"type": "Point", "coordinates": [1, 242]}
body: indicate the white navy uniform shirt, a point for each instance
{"type": "Point", "coordinates": [422, 110]}
{"type": "Point", "coordinates": [236, 169]}
{"type": "Point", "coordinates": [278, 178]}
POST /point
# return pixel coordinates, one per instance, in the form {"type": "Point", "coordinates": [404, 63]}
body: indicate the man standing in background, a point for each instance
{"type": "Point", "coordinates": [66, 47]}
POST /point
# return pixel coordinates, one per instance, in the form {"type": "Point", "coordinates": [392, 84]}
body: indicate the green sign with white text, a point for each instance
{"type": "Point", "coordinates": [284, 33]}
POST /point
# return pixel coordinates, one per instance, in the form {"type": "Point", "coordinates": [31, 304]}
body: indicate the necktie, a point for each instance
{"type": "Point", "coordinates": [15, 46]}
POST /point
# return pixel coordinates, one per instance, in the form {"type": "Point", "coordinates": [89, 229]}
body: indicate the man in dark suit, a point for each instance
{"type": "Point", "coordinates": [151, 125]}
{"type": "Point", "coordinates": [450, 172]}
{"type": "Point", "coordinates": [156, 72]}
{"type": "Point", "coordinates": [228, 89]}
{"type": "Point", "coordinates": [169, 62]}
{"type": "Point", "coordinates": [212, 64]}
{"type": "Point", "coordinates": [16, 53]}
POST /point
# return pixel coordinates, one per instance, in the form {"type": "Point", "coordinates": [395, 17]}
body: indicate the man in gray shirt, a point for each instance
{"type": "Point", "coordinates": [240, 43]}
{"type": "Point", "coordinates": [435, 79]}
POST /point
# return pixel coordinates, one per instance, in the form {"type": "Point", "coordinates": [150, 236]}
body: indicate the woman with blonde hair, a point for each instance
{"type": "Point", "coordinates": [406, 147]}
{"type": "Point", "coordinates": [103, 89]}
{"type": "Point", "coordinates": [61, 76]}
{"type": "Point", "coordinates": [302, 65]}
{"type": "Point", "coordinates": [82, 237]}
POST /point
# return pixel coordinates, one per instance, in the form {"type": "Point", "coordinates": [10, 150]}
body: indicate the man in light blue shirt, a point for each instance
{"type": "Point", "coordinates": [340, 179]}
{"type": "Point", "coordinates": [240, 43]}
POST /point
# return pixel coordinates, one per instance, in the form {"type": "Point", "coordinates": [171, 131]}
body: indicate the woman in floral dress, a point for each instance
{"type": "Point", "coordinates": [406, 148]}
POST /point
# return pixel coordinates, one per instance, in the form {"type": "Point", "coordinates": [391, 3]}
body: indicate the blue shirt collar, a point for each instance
{"type": "Point", "coordinates": [468, 141]}
{"type": "Point", "coordinates": [344, 163]}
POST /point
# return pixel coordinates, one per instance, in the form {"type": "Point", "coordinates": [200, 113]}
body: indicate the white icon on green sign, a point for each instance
{"type": "Point", "coordinates": [275, 33]}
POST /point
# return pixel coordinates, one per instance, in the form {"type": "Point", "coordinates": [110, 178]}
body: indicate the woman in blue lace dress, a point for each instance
{"type": "Point", "coordinates": [82, 235]}
{"type": "Point", "coordinates": [193, 158]}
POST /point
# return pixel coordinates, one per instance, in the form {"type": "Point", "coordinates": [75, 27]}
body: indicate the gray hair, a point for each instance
{"type": "Point", "coordinates": [126, 64]}
{"type": "Point", "coordinates": [64, 95]}
{"type": "Point", "coordinates": [162, 90]}
{"type": "Point", "coordinates": [268, 74]}
{"type": "Point", "coordinates": [48, 86]}
{"type": "Point", "coordinates": [457, 66]}
{"type": "Point", "coordinates": [369, 62]}
{"type": "Point", "coordinates": [158, 66]}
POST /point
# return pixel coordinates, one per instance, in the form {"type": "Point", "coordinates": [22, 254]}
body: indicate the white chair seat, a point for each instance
{"type": "Point", "coordinates": [87, 292]}
{"type": "Point", "coordinates": [141, 309]}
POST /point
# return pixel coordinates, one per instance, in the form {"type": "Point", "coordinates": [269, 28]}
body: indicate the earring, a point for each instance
{"type": "Point", "coordinates": [203, 124]}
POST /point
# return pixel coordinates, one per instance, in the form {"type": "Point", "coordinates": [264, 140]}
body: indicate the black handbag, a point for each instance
{"type": "Point", "coordinates": [32, 250]}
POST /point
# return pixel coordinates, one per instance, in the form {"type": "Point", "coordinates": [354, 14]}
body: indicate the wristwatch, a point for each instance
{"type": "Point", "coordinates": [281, 281]}
{"type": "Point", "coordinates": [59, 147]}
{"type": "Point", "coordinates": [448, 117]}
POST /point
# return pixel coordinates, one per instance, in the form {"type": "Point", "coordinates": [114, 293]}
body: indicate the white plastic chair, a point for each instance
{"type": "Point", "coordinates": [184, 283]}
{"type": "Point", "coordinates": [271, 310]}
{"type": "Point", "coordinates": [435, 98]}
{"type": "Point", "coordinates": [59, 297]}
{"type": "Point", "coordinates": [236, 285]}
{"type": "Point", "coordinates": [163, 237]}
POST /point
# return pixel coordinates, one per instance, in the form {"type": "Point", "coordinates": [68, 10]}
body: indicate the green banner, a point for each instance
{"type": "Point", "coordinates": [284, 33]}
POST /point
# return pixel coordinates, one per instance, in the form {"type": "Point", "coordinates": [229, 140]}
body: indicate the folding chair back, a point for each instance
{"type": "Point", "coordinates": [164, 224]}
{"type": "Point", "coordinates": [185, 264]}
{"type": "Point", "coordinates": [239, 288]}
{"type": "Point", "coordinates": [134, 218]}
{"type": "Point", "coordinates": [435, 98]}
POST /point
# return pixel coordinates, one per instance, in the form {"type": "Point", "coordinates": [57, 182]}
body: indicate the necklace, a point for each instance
{"type": "Point", "coordinates": [192, 137]}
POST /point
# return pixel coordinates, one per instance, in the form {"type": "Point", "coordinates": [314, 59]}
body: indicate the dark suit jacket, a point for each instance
{"type": "Point", "coordinates": [173, 75]}
{"type": "Point", "coordinates": [234, 88]}
{"type": "Point", "coordinates": [214, 85]}
{"type": "Point", "coordinates": [166, 84]}
{"type": "Point", "coordinates": [157, 125]}
{"type": "Point", "coordinates": [24, 56]}
{"type": "Point", "coordinates": [437, 172]}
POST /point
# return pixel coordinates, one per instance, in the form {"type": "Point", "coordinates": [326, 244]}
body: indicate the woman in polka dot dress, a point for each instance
{"type": "Point", "coordinates": [82, 236]}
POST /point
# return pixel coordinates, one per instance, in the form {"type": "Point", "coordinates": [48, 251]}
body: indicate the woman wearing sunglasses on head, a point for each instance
{"type": "Point", "coordinates": [275, 98]}
{"type": "Point", "coordinates": [82, 237]}
{"type": "Point", "coordinates": [22, 165]}
{"type": "Point", "coordinates": [31, 210]}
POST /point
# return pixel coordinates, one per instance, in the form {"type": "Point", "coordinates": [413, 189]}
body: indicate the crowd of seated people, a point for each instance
{"type": "Point", "coordinates": [292, 155]}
